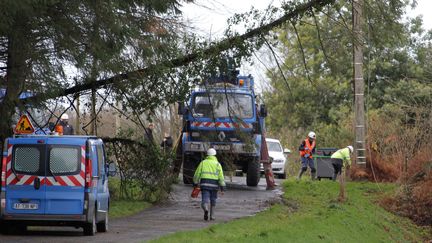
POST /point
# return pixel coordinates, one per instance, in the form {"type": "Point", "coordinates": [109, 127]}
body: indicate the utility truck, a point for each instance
{"type": "Point", "coordinates": [223, 114]}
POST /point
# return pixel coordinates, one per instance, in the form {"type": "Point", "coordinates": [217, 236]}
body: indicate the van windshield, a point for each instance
{"type": "Point", "coordinates": [274, 146]}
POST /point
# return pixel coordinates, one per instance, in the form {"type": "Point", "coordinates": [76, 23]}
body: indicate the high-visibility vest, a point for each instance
{"type": "Point", "coordinates": [309, 146]}
{"type": "Point", "coordinates": [343, 154]}
{"type": "Point", "coordinates": [211, 169]}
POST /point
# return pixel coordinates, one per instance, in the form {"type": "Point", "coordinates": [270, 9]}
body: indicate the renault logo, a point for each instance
{"type": "Point", "coordinates": [221, 136]}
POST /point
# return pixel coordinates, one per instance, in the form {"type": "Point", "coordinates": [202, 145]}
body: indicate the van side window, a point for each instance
{"type": "Point", "coordinates": [27, 159]}
{"type": "Point", "coordinates": [64, 160]}
{"type": "Point", "coordinates": [101, 159]}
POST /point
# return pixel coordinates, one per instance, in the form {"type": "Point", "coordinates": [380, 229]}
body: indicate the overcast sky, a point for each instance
{"type": "Point", "coordinates": [209, 17]}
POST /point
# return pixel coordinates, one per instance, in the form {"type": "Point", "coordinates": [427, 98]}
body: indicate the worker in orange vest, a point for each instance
{"type": "Point", "coordinates": [307, 148]}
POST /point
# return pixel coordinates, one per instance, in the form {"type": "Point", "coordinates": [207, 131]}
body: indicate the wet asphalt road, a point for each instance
{"type": "Point", "coordinates": [179, 213]}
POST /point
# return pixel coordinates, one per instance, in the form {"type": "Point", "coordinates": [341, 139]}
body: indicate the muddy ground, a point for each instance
{"type": "Point", "coordinates": [179, 213]}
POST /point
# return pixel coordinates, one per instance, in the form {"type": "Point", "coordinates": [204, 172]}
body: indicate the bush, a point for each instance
{"type": "Point", "coordinates": [145, 170]}
{"type": "Point", "coordinates": [400, 151]}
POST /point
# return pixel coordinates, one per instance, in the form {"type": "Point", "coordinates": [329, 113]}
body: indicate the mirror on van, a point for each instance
{"type": "Point", "coordinates": [112, 169]}
{"type": "Point", "coordinates": [287, 151]}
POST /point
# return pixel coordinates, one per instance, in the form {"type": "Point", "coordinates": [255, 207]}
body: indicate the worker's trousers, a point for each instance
{"type": "Point", "coordinates": [308, 162]}
{"type": "Point", "coordinates": [209, 196]}
{"type": "Point", "coordinates": [337, 166]}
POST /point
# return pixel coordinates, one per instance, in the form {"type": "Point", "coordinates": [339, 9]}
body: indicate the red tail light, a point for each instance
{"type": "Point", "coordinates": [3, 172]}
{"type": "Point", "coordinates": [88, 174]}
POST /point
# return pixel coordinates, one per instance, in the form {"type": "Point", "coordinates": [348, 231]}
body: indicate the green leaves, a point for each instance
{"type": "Point", "coordinates": [317, 63]}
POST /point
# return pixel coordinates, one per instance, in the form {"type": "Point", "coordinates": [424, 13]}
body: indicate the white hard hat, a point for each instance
{"type": "Point", "coordinates": [64, 117]}
{"type": "Point", "coordinates": [311, 135]}
{"type": "Point", "coordinates": [350, 148]}
{"type": "Point", "coordinates": [211, 151]}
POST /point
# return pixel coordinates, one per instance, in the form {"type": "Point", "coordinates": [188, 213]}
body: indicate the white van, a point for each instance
{"type": "Point", "coordinates": [279, 157]}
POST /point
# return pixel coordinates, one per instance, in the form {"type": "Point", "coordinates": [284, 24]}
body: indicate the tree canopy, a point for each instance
{"type": "Point", "coordinates": [46, 44]}
{"type": "Point", "coordinates": [313, 89]}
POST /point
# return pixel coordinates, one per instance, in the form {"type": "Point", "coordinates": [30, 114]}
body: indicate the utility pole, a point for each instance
{"type": "Point", "coordinates": [359, 106]}
{"type": "Point", "coordinates": [78, 116]}
{"type": "Point", "coordinates": [93, 116]}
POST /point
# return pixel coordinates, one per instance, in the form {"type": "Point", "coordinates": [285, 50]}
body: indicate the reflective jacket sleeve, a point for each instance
{"type": "Point", "coordinates": [197, 175]}
{"type": "Point", "coordinates": [346, 155]}
{"type": "Point", "coordinates": [221, 177]}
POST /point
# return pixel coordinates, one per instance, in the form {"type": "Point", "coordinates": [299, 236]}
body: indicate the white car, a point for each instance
{"type": "Point", "coordinates": [279, 157]}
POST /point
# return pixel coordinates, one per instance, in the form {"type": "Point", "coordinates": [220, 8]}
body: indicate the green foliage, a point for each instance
{"type": "Point", "coordinates": [315, 91]}
{"type": "Point", "coordinates": [145, 170]}
{"type": "Point", "coordinates": [311, 213]}
{"type": "Point", "coordinates": [45, 45]}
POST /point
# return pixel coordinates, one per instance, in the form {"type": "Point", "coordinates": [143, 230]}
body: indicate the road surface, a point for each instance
{"type": "Point", "coordinates": [179, 213]}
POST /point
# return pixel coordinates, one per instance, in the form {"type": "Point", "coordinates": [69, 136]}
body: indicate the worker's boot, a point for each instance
{"type": "Point", "coordinates": [212, 212]}
{"type": "Point", "coordinates": [206, 211]}
{"type": "Point", "coordinates": [300, 174]}
{"type": "Point", "coordinates": [313, 175]}
{"type": "Point", "coordinates": [334, 176]}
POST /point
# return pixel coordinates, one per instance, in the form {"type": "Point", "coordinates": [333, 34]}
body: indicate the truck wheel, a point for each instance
{"type": "Point", "coordinates": [90, 228]}
{"type": "Point", "coordinates": [253, 173]}
{"type": "Point", "coordinates": [103, 226]}
{"type": "Point", "coordinates": [188, 170]}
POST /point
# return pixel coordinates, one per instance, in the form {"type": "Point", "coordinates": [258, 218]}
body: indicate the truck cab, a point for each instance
{"type": "Point", "coordinates": [223, 114]}
{"type": "Point", "coordinates": [54, 180]}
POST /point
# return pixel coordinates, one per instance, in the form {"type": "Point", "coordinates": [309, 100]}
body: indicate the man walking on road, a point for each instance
{"type": "Point", "coordinates": [209, 177]}
{"type": "Point", "coordinates": [340, 159]}
{"type": "Point", "coordinates": [307, 148]}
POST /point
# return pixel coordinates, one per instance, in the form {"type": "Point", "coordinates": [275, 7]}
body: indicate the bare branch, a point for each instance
{"type": "Point", "coordinates": [183, 60]}
{"type": "Point", "coordinates": [303, 54]}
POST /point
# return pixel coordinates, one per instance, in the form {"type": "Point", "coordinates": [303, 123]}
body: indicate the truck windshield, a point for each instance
{"type": "Point", "coordinates": [223, 105]}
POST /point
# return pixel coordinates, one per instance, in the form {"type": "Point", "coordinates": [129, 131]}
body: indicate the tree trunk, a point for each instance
{"type": "Point", "coordinates": [15, 77]}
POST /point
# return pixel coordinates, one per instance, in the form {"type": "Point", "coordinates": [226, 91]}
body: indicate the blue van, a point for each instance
{"type": "Point", "coordinates": [54, 180]}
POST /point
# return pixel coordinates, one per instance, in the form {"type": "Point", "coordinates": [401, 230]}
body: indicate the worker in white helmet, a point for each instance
{"type": "Point", "coordinates": [341, 159]}
{"type": "Point", "coordinates": [307, 149]}
{"type": "Point", "coordinates": [209, 177]}
{"type": "Point", "coordinates": [64, 122]}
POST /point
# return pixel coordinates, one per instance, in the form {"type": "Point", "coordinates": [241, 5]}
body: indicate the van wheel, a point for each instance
{"type": "Point", "coordinates": [103, 226]}
{"type": "Point", "coordinates": [90, 228]}
{"type": "Point", "coordinates": [253, 172]}
{"type": "Point", "coordinates": [13, 229]}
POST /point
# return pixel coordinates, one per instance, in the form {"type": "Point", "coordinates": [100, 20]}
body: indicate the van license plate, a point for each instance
{"type": "Point", "coordinates": [221, 146]}
{"type": "Point", "coordinates": [26, 206]}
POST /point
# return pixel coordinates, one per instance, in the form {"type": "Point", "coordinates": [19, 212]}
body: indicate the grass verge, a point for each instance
{"type": "Point", "coordinates": [123, 207]}
{"type": "Point", "coordinates": [310, 213]}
